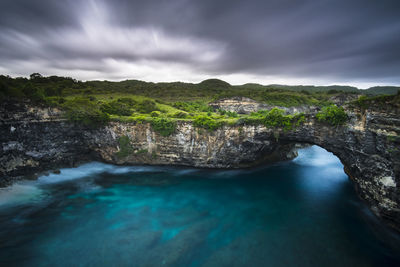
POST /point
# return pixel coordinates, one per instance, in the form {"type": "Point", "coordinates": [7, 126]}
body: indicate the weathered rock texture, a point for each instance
{"type": "Point", "coordinates": [241, 105]}
{"type": "Point", "coordinates": [244, 105]}
{"type": "Point", "coordinates": [37, 139]}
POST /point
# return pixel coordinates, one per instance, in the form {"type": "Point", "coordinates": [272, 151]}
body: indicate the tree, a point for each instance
{"type": "Point", "coordinates": [35, 75]}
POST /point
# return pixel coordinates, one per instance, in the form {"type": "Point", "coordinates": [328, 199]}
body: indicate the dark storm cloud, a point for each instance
{"type": "Point", "coordinates": [334, 40]}
{"type": "Point", "coordinates": [35, 15]}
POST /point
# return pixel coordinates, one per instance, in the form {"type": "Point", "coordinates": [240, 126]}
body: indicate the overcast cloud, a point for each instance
{"type": "Point", "coordinates": [353, 42]}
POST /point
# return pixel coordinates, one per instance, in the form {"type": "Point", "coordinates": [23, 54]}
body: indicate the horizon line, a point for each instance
{"type": "Point", "coordinates": [211, 78]}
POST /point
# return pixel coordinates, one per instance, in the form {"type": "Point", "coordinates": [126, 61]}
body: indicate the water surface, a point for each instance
{"type": "Point", "coordinates": [299, 213]}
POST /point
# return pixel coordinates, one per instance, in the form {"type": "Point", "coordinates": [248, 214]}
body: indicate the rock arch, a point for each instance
{"type": "Point", "coordinates": [368, 146]}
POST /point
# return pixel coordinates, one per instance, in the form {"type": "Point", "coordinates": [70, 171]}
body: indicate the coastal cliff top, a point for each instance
{"type": "Point", "coordinates": [209, 104]}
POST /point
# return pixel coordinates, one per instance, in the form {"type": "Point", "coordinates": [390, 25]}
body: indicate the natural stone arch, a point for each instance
{"type": "Point", "coordinates": [367, 145]}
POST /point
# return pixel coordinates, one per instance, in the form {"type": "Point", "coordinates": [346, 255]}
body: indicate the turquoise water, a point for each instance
{"type": "Point", "coordinates": [299, 213]}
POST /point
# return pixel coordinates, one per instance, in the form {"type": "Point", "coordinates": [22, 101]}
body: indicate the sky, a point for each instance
{"type": "Point", "coordinates": [320, 42]}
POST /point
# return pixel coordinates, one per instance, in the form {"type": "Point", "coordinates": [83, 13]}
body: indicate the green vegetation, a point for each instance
{"type": "Point", "coordinates": [275, 118]}
{"type": "Point", "coordinates": [393, 138]}
{"type": "Point", "coordinates": [380, 90]}
{"type": "Point", "coordinates": [164, 126]}
{"type": "Point", "coordinates": [362, 102]}
{"type": "Point", "coordinates": [207, 122]}
{"type": "Point", "coordinates": [142, 151]}
{"type": "Point", "coordinates": [39, 87]}
{"type": "Point", "coordinates": [155, 114]}
{"type": "Point", "coordinates": [125, 149]}
{"type": "Point", "coordinates": [121, 107]}
{"type": "Point", "coordinates": [196, 106]}
{"type": "Point", "coordinates": [163, 105]}
{"type": "Point", "coordinates": [228, 113]}
{"type": "Point", "coordinates": [180, 115]}
{"type": "Point", "coordinates": [279, 97]}
{"type": "Point", "coordinates": [85, 112]}
{"type": "Point", "coordinates": [146, 106]}
{"type": "Point", "coordinates": [381, 101]}
{"type": "Point", "coordinates": [332, 115]}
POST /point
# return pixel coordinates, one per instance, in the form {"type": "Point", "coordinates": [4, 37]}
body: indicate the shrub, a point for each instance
{"type": "Point", "coordinates": [221, 111]}
{"type": "Point", "coordinates": [142, 151]}
{"type": "Point", "coordinates": [139, 118]}
{"type": "Point", "coordinates": [155, 114]}
{"type": "Point", "coordinates": [332, 92]}
{"type": "Point", "coordinates": [228, 113]}
{"type": "Point", "coordinates": [126, 119]}
{"type": "Point", "coordinates": [332, 115]}
{"type": "Point", "coordinates": [7, 91]}
{"type": "Point", "coordinates": [85, 112]}
{"type": "Point", "coordinates": [180, 115]}
{"type": "Point", "coordinates": [362, 102]}
{"type": "Point", "coordinates": [277, 118]}
{"type": "Point", "coordinates": [125, 148]}
{"type": "Point", "coordinates": [33, 93]}
{"type": "Point", "coordinates": [255, 118]}
{"type": "Point", "coordinates": [274, 118]}
{"type": "Point", "coordinates": [207, 122]}
{"type": "Point", "coordinates": [231, 114]}
{"type": "Point", "coordinates": [118, 107]}
{"type": "Point", "coordinates": [164, 126]}
{"type": "Point", "coordinates": [196, 106]}
{"type": "Point", "coordinates": [126, 100]}
{"type": "Point", "coordinates": [298, 119]}
{"type": "Point", "coordinates": [250, 120]}
{"type": "Point", "coordinates": [38, 96]}
{"type": "Point", "coordinates": [287, 99]}
{"type": "Point", "coordinates": [54, 101]}
{"type": "Point", "coordinates": [146, 106]}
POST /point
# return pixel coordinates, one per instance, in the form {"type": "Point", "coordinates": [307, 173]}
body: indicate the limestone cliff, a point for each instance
{"type": "Point", "coordinates": [244, 105]}
{"type": "Point", "coordinates": [34, 139]}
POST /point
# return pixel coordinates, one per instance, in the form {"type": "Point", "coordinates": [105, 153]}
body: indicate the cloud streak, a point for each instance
{"type": "Point", "coordinates": [321, 42]}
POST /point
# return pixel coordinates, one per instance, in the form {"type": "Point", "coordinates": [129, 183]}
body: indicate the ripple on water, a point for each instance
{"type": "Point", "coordinates": [300, 213]}
{"type": "Point", "coordinates": [20, 193]}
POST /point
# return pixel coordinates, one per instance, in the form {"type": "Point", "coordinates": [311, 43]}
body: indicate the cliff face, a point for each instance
{"type": "Point", "coordinates": [244, 105]}
{"type": "Point", "coordinates": [37, 139]}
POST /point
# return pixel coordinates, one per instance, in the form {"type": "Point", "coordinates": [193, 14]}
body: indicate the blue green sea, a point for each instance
{"type": "Point", "coordinates": [303, 212]}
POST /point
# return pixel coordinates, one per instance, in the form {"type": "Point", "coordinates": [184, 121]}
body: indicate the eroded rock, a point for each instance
{"type": "Point", "coordinates": [368, 146]}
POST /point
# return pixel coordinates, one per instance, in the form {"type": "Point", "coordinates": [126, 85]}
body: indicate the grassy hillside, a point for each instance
{"type": "Point", "coordinates": [382, 90]}
{"type": "Point", "coordinates": [38, 87]}
{"type": "Point", "coordinates": [308, 88]}
{"type": "Point", "coordinates": [94, 103]}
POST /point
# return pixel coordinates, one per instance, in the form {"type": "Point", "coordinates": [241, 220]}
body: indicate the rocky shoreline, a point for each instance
{"type": "Point", "coordinates": [36, 139]}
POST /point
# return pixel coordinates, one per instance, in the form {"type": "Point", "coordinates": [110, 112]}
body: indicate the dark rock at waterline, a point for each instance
{"type": "Point", "coordinates": [35, 139]}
